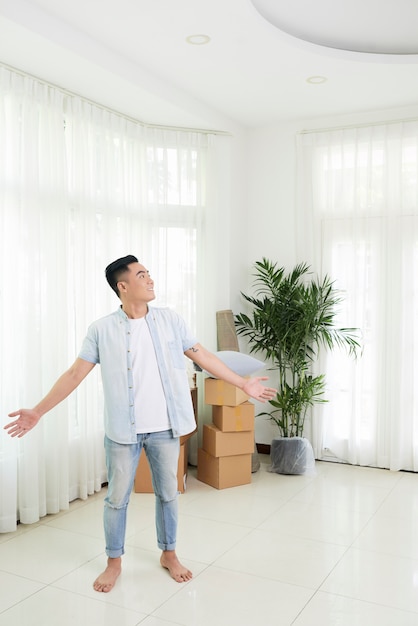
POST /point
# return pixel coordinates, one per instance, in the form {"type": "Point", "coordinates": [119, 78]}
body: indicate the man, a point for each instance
{"type": "Point", "coordinates": [147, 405]}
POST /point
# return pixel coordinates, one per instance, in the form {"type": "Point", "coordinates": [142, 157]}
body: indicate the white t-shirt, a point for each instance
{"type": "Point", "coordinates": [150, 406]}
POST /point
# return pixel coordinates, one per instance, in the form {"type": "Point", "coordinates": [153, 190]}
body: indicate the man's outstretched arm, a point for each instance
{"type": "Point", "coordinates": [214, 366]}
{"type": "Point", "coordinates": [28, 418]}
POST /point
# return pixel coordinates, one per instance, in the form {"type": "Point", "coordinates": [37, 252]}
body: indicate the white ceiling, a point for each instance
{"type": "Point", "coordinates": [132, 55]}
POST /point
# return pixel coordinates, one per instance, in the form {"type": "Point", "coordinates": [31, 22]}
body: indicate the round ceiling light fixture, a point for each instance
{"type": "Point", "coordinates": [369, 27]}
{"type": "Point", "coordinates": [198, 40]}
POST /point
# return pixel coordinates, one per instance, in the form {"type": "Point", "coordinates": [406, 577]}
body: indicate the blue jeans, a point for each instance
{"type": "Point", "coordinates": [162, 451]}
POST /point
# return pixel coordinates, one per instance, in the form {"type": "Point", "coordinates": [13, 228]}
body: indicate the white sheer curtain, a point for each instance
{"type": "Point", "coordinates": [358, 222]}
{"type": "Point", "coordinates": [79, 187]}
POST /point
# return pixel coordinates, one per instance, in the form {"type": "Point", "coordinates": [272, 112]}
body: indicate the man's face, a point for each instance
{"type": "Point", "coordinates": [137, 284]}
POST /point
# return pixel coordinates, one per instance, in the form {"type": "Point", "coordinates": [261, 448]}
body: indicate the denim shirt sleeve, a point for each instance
{"type": "Point", "coordinates": [89, 348]}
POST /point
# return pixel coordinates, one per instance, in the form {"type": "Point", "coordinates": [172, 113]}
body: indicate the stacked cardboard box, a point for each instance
{"type": "Point", "coordinates": [224, 460]}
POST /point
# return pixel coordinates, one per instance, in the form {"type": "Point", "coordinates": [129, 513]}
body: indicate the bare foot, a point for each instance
{"type": "Point", "coordinates": [106, 581]}
{"type": "Point", "coordinates": [177, 571]}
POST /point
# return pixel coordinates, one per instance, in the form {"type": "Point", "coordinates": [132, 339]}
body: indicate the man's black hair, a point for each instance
{"type": "Point", "coordinates": [115, 270]}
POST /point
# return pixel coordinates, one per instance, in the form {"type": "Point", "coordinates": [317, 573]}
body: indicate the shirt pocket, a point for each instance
{"type": "Point", "coordinates": [177, 355]}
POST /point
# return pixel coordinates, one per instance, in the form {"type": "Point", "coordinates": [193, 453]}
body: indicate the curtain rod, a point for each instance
{"type": "Point", "coordinates": [71, 94]}
{"type": "Point", "coordinates": [351, 126]}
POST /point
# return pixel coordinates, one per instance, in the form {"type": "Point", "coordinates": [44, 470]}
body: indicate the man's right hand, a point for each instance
{"type": "Point", "coordinates": [66, 383]}
{"type": "Point", "coordinates": [26, 420]}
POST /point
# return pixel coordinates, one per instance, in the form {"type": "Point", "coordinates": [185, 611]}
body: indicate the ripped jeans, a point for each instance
{"type": "Point", "coordinates": [162, 451]}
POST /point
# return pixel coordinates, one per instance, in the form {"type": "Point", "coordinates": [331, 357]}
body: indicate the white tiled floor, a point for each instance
{"type": "Point", "coordinates": [337, 548]}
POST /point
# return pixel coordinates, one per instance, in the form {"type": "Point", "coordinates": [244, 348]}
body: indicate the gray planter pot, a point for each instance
{"type": "Point", "coordinates": [291, 455]}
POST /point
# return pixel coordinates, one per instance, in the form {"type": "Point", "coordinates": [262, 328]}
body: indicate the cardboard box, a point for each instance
{"type": "Point", "coordinates": [218, 443]}
{"type": "Point", "coordinates": [225, 471]}
{"type": "Point", "coordinates": [193, 393]}
{"type": "Point", "coordinates": [220, 393]}
{"type": "Point", "coordinates": [234, 418]}
{"type": "Point", "coordinates": [143, 482]}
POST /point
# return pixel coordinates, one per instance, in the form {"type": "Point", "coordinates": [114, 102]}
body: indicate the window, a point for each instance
{"type": "Point", "coordinates": [363, 210]}
{"type": "Point", "coordinates": [79, 187]}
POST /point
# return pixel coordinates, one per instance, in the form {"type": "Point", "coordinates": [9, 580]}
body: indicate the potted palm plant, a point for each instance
{"type": "Point", "coordinates": [293, 316]}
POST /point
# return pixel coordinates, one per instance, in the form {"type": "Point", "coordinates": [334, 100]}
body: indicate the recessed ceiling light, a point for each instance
{"type": "Point", "coordinates": [198, 40]}
{"type": "Point", "coordinates": [316, 80]}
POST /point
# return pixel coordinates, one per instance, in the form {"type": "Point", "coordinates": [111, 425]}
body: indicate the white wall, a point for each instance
{"type": "Point", "coordinates": [262, 218]}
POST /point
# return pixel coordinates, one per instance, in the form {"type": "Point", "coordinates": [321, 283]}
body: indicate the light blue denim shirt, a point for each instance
{"type": "Point", "coordinates": [108, 342]}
